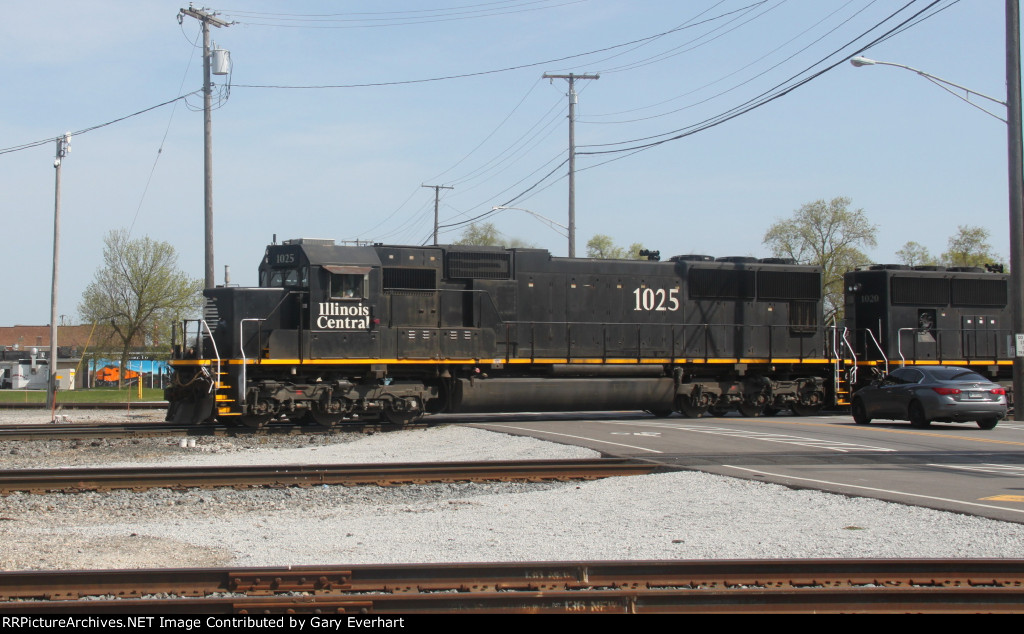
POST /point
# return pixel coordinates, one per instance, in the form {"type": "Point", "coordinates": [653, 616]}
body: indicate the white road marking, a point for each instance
{"type": "Point", "coordinates": [1013, 470]}
{"type": "Point", "coordinates": [551, 433]}
{"type": "Point", "coordinates": [887, 491]}
{"type": "Point", "coordinates": [786, 439]}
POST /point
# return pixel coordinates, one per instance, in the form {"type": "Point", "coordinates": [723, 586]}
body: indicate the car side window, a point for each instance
{"type": "Point", "coordinates": [903, 377]}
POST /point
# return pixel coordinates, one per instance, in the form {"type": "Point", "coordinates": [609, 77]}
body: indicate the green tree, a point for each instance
{"type": "Point", "coordinates": [828, 234]}
{"type": "Point", "coordinates": [138, 291]}
{"type": "Point", "coordinates": [487, 235]}
{"type": "Point", "coordinates": [969, 247]}
{"type": "Point", "coordinates": [916, 254]}
{"type": "Point", "coordinates": [603, 247]}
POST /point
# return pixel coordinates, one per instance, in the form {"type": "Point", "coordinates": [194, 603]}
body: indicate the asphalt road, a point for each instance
{"type": "Point", "coordinates": [953, 467]}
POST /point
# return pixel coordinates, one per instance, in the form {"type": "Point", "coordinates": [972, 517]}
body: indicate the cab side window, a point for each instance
{"type": "Point", "coordinates": [347, 286]}
{"type": "Point", "coordinates": [904, 377]}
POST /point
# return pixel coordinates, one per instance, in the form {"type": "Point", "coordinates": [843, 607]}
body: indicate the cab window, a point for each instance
{"type": "Point", "coordinates": [285, 278]}
{"type": "Point", "coordinates": [347, 286]}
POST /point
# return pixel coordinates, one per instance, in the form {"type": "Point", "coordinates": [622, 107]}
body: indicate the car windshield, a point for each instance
{"type": "Point", "coordinates": [955, 374]}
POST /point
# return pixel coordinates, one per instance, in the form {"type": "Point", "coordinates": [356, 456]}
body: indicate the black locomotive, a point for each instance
{"type": "Point", "coordinates": [340, 333]}
{"type": "Point", "coordinates": [928, 315]}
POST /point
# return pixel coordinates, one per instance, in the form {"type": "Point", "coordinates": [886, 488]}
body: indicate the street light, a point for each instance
{"type": "Point", "coordinates": [548, 221]}
{"type": "Point", "coordinates": [941, 83]}
{"type": "Point", "coordinates": [63, 147]}
{"type": "Point", "coordinates": [1016, 183]}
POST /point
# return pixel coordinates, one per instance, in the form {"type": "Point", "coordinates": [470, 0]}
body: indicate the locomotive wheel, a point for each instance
{"type": "Point", "coordinates": [718, 410]}
{"type": "Point", "coordinates": [401, 418]}
{"type": "Point", "coordinates": [323, 419]}
{"type": "Point", "coordinates": [689, 410]}
{"type": "Point", "coordinates": [412, 412]}
{"type": "Point", "coordinates": [334, 415]}
{"type": "Point", "coordinates": [255, 421]}
{"type": "Point", "coordinates": [804, 410]}
{"type": "Point", "coordinates": [750, 409]}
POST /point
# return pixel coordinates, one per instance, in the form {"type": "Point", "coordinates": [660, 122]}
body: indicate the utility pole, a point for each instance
{"type": "Point", "coordinates": [206, 19]}
{"type": "Point", "coordinates": [572, 153]}
{"type": "Point", "coordinates": [63, 147]}
{"type": "Point", "coordinates": [437, 200]}
{"type": "Point", "coordinates": [1013, 145]}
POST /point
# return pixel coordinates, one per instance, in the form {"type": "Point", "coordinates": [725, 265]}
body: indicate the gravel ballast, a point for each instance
{"type": "Point", "coordinates": [682, 515]}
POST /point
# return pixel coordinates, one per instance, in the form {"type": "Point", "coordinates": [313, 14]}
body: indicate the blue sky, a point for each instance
{"type": "Point", "coordinates": [297, 159]}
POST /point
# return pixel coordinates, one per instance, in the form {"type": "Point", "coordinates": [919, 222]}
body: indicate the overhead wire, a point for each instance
{"type": "Point", "coordinates": [319, 21]}
{"type": "Point", "coordinates": [492, 132]}
{"type": "Point", "coordinates": [675, 51]}
{"type": "Point", "coordinates": [765, 97]}
{"type": "Point", "coordinates": [47, 141]}
{"type": "Point", "coordinates": [584, 120]}
{"type": "Point", "coordinates": [778, 91]}
{"type": "Point", "coordinates": [492, 71]}
{"type": "Point", "coordinates": [163, 141]}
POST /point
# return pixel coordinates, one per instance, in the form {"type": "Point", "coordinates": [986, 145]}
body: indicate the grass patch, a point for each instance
{"type": "Point", "coordinates": [92, 395]}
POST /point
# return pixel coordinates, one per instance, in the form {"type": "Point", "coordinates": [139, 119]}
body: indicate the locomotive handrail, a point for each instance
{"type": "Point", "coordinates": [836, 349]}
{"type": "Point", "coordinates": [853, 353]}
{"type": "Point", "coordinates": [216, 353]}
{"type": "Point", "coordinates": [880, 351]}
{"type": "Point", "coordinates": [241, 347]}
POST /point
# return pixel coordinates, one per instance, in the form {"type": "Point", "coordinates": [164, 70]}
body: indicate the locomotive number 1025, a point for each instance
{"type": "Point", "coordinates": [656, 299]}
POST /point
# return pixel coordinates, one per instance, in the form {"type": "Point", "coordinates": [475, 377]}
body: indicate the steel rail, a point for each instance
{"type": "Point", "coordinates": [790, 586]}
{"type": "Point", "coordinates": [36, 431]}
{"type": "Point", "coordinates": [83, 405]}
{"type": "Point", "coordinates": [143, 478]}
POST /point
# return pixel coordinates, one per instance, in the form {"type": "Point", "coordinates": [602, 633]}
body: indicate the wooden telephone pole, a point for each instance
{"type": "Point", "coordinates": [572, 153]}
{"type": "Point", "coordinates": [206, 19]}
{"type": "Point", "coordinates": [437, 200]}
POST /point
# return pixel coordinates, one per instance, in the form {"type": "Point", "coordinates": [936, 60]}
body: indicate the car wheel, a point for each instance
{"type": "Point", "coordinates": [988, 423]}
{"type": "Point", "coordinates": [916, 416]}
{"type": "Point", "coordinates": [860, 413]}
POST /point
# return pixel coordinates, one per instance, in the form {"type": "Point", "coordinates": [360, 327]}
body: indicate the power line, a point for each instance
{"type": "Point", "coordinates": [767, 96]}
{"type": "Point", "coordinates": [403, 18]}
{"type": "Point", "coordinates": [49, 140]}
{"type": "Point", "coordinates": [549, 62]}
{"type": "Point", "coordinates": [744, 67]}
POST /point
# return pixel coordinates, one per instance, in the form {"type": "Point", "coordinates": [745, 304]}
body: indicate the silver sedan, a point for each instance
{"type": "Point", "coordinates": [933, 393]}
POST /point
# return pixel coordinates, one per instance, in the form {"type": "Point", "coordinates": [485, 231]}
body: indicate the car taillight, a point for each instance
{"type": "Point", "coordinates": [946, 390]}
{"type": "Point", "coordinates": [999, 391]}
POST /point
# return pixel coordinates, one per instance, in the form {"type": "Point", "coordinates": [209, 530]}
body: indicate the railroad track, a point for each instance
{"type": "Point", "coordinates": [46, 431]}
{"type": "Point", "coordinates": [143, 478]}
{"type": "Point", "coordinates": [786, 586]}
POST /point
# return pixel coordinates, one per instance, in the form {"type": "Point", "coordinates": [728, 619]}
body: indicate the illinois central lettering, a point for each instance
{"type": "Point", "coordinates": [337, 316]}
